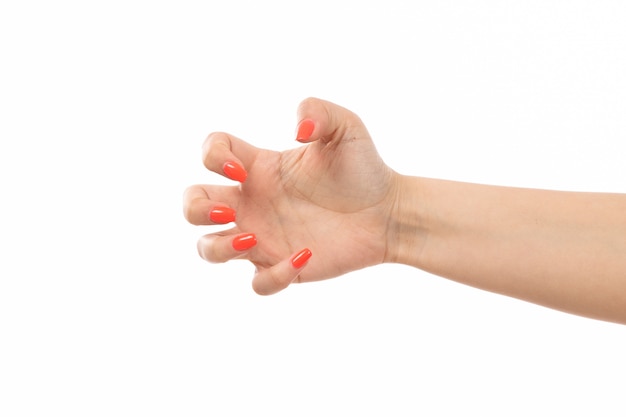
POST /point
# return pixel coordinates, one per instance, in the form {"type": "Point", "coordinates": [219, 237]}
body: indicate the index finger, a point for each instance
{"type": "Point", "coordinates": [228, 155]}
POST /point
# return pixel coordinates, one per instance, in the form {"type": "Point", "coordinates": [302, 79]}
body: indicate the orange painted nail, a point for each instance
{"type": "Point", "coordinates": [301, 258]}
{"type": "Point", "coordinates": [234, 171]}
{"type": "Point", "coordinates": [244, 242]}
{"type": "Point", "coordinates": [305, 130]}
{"type": "Point", "coordinates": [222, 215]}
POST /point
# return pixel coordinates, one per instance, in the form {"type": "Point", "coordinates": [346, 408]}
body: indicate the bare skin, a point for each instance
{"type": "Point", "coordinates": [336, 197]}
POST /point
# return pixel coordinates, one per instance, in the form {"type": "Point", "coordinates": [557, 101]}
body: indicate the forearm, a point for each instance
{"type": "Point", "coordinates": [564, 250]}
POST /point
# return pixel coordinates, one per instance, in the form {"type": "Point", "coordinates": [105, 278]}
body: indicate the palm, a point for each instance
{"type": "Point", "coordinates": [329, 198]}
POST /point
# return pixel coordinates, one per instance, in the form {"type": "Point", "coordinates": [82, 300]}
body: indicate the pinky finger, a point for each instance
{"type": "Point", "coordinates": [278, 277]}
{"type": "Point", "coordinates": [216, 248]}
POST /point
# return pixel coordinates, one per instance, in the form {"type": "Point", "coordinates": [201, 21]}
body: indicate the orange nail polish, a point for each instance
{"type": "Point", "coordinates": [301, 258]}
{"type": "Point", "coordinates": [244, 242]}
{"type": "Point", "coordinates": [305, 130]}
{"type": "Point", "coordinates": [222, 215]}
{"type": "Point", "coordinates": [234, 171]}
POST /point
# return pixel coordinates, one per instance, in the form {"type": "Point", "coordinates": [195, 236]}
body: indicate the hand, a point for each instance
{"type": "Point", "coordinates": [329, 200]}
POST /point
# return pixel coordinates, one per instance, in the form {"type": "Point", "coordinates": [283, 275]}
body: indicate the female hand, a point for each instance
{"type": "Point", "coordinates": [328, 200]}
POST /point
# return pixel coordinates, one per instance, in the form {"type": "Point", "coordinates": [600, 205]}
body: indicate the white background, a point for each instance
{"type": "Point", "coordinates": [105, 307]}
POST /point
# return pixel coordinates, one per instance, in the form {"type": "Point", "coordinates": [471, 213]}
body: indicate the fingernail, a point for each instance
{"type": "Point", "coordinates": [234, 171]}
{"type": "Point", "coordinates": [301, 258]}
{"type": "Point", "coordinates": [305, 130]}
{"type": "Point", "coordinates": [222, 215]}
{"type": "Point", "coordinates": [244, 242]}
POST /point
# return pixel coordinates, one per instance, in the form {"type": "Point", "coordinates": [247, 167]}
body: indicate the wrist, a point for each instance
{"type": "Point", "coordinates": [407, 230]}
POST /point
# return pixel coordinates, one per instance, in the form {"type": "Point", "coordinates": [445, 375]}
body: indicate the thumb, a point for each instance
{"type": "Point", "coordinates": [322, 120]}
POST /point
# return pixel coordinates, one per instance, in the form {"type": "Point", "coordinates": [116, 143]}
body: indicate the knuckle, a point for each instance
{"type": "Point", "coordinates": [306, 104]}
{"type": "Point", "coordinates": [257, 288]}
{"type": "Point", "coordinates": [213, 138]}
{"type": "Point", "coordinates": [269, 281]}
{"type": "Point", "coordinates": [187, 204]}
{"type": "Point", "coordinates": [210, 251]}
{"type": "Point", "coordinates": [194, 212]}
{"type": "Point", "coordinates": [213, 146]}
